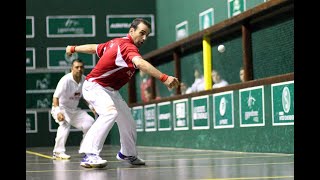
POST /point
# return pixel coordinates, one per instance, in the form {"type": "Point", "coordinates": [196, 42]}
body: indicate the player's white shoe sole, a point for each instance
{"type": "Point", "coordinates": [60, 156]}
{"type": "Point", "coordinates": [93, 161]}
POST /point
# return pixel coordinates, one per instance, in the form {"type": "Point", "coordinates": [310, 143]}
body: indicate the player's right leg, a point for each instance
{"type": "Point", "coordinates": [94, 139]}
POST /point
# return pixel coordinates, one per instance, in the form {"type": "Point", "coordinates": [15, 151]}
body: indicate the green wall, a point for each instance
{"type": "Point", "coordinates": [40, 9]}
{"type": "Point", "coordinates": [169, 13]}
{"type": "Point", "coordinates": [273, 48]}
{"type": "Point", "coordinates": [265, 138]}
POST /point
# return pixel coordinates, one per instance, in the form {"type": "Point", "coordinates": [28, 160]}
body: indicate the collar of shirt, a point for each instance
{"type": "Point", "coordinates": [130, 38]}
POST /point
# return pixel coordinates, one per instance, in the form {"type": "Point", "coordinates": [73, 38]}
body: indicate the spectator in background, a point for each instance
{"type": "Point", "coordinates": [217, 80]}
{"type": "Point", "coordinates": [198, 84]}
{"type": "Point", "coordinates": [241, 74]}
{"type": "Point", "coordinates": [148, 94]}
{"type": "Point", "coordinates": [183, 87]}
{"type": "Point", "coordinates": [146, 82]}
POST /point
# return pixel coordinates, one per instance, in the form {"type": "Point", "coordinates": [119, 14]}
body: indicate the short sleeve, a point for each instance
{"type": "Point", "coordinates": [101, 48]}
{"type": "Point", "coordinates": [133, 52]}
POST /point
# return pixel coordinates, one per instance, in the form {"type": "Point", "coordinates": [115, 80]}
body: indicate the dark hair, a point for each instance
{"type": "Point", "coordinates": [137, 21]}
{"type": "Point", "coordinates": [77, 60]}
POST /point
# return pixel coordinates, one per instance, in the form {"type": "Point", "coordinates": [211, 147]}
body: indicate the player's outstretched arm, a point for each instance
{"type": "Point", "coordinates": [86, 48]}
{"type": "Point", "coordinates": [145, 66]}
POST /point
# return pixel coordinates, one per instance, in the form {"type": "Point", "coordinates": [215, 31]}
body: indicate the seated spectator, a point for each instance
{"type": "Point", "coordinates": [183, 87]}
{"type": "Point", "coordinates": [241, 74]}
{"type": "Point", "coordinates": [217, 80]}
{"type": "Point", "coordinates": [198, 84]}
{"type": "Point", "coordinates": [148, 95]}
{"type": "Point", "coordinates": [145, 83]}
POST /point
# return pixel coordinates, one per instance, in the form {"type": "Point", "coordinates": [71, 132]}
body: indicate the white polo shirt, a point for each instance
{"type": "Point", "coordinates": [69, 91]}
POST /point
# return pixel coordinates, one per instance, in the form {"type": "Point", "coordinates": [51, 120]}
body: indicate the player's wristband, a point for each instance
{"type": "Point", "coordinates": [73, 49]}
{"type": "Point", "coordinates": [163, 77]}
{"type": "Point", "coordinates": [55, 110]}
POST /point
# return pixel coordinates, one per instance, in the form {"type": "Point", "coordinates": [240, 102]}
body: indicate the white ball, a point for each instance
{"type": "Point", "coordinates": [221, 48]}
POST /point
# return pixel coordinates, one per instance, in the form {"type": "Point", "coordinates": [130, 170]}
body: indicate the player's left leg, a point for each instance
{"type": "Point", "coordinates": [128, 135]}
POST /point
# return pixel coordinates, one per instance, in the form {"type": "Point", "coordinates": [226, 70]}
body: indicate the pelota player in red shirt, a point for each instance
{"type": "Point", "coordinates": [119, 58]}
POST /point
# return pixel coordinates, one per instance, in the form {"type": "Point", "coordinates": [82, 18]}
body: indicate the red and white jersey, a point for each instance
{"type": "Point", "coordinates": [114, 68]}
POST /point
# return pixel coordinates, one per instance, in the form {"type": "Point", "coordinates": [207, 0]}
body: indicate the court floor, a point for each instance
{"type": "Point", "coordinates": [162, 164]}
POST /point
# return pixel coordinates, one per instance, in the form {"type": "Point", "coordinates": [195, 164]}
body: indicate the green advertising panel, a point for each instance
{"type": "Point", "coordinates": [30, 58]}
{"type": "Point", "coordinates": [39, 100]}
{"type": "Point", "coordinates": [182, 30]}
{"type": "Point", "coordinates": [31, 122]}
{"type": "Point", "coordinates": [251, 102]}
{"type": "Point", "coordinates": [137, 113]}
{"type": "Point", "coordinates": [53, 125]}
{"type": "Point", "coordinates": [223, 110]}
{"type": "Point", "coordinates": [206, 19]}
{"type": "Point", "coordinates": [57, 58]}
{"type": "Point", "coordinates": [200, 112]}
{"type": "Point", "coordinates": [150, 117]}
{"type": "Point", "coordinates": [236, 7]}
{"type": "Point", "coordinates": [29, 27]}
{"type": "Point", "coordinates": [71, 26]}
{"type": "Point", "coordinates": [42, 81]}
{"type": "Point", "coordinates": [118, 25]}
{"type": "Point", "coordinates": [164, 116]}
{"type": "Point", "coordinates": [180, 114]}
{"type": "Point", "coordinates": [282, 95]}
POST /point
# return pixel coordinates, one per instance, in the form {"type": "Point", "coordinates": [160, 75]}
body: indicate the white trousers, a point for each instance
{"type": "Point", "coordinates": [110, 108]}
{"type": "Point", "coordinates": [79, 119]}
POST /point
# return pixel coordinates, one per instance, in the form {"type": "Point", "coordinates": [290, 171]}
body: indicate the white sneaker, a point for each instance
{"type": "Point", "coordinates": [60, 156]}
{"type": "Point", "coordinates": [93, 161]}
{"type": "Point", "coordinates": [134, 160]}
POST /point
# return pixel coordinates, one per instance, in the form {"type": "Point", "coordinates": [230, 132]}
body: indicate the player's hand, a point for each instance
{"type": "Point", "coordinates": [60, 117]}
{"type": "Point", "coordinates": [172, 82]}
{"type": "Point", "coordinates": [68, 50]}
{"type": "Point", "coordinates": [94, 111]}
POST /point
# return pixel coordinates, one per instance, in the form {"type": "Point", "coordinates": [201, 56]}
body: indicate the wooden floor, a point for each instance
{"type": "Point", "coordinates": [162, 164]}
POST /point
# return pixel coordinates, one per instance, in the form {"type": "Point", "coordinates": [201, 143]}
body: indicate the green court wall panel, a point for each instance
{"type": "Point", "coordinates": [38, 100]}
{"type": "Point", "coordinates": [42, 81]}
{"type": "Point", "coordinates": [247, 139]}
{"type": "Point", "coordinates": [253, 3]}
{"type": "Point", "coordinates": [266, 138]}
{"type": "Point", "coordinates": [273, 49]}
{"type": "Point", "coordinates": [169, 14]}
